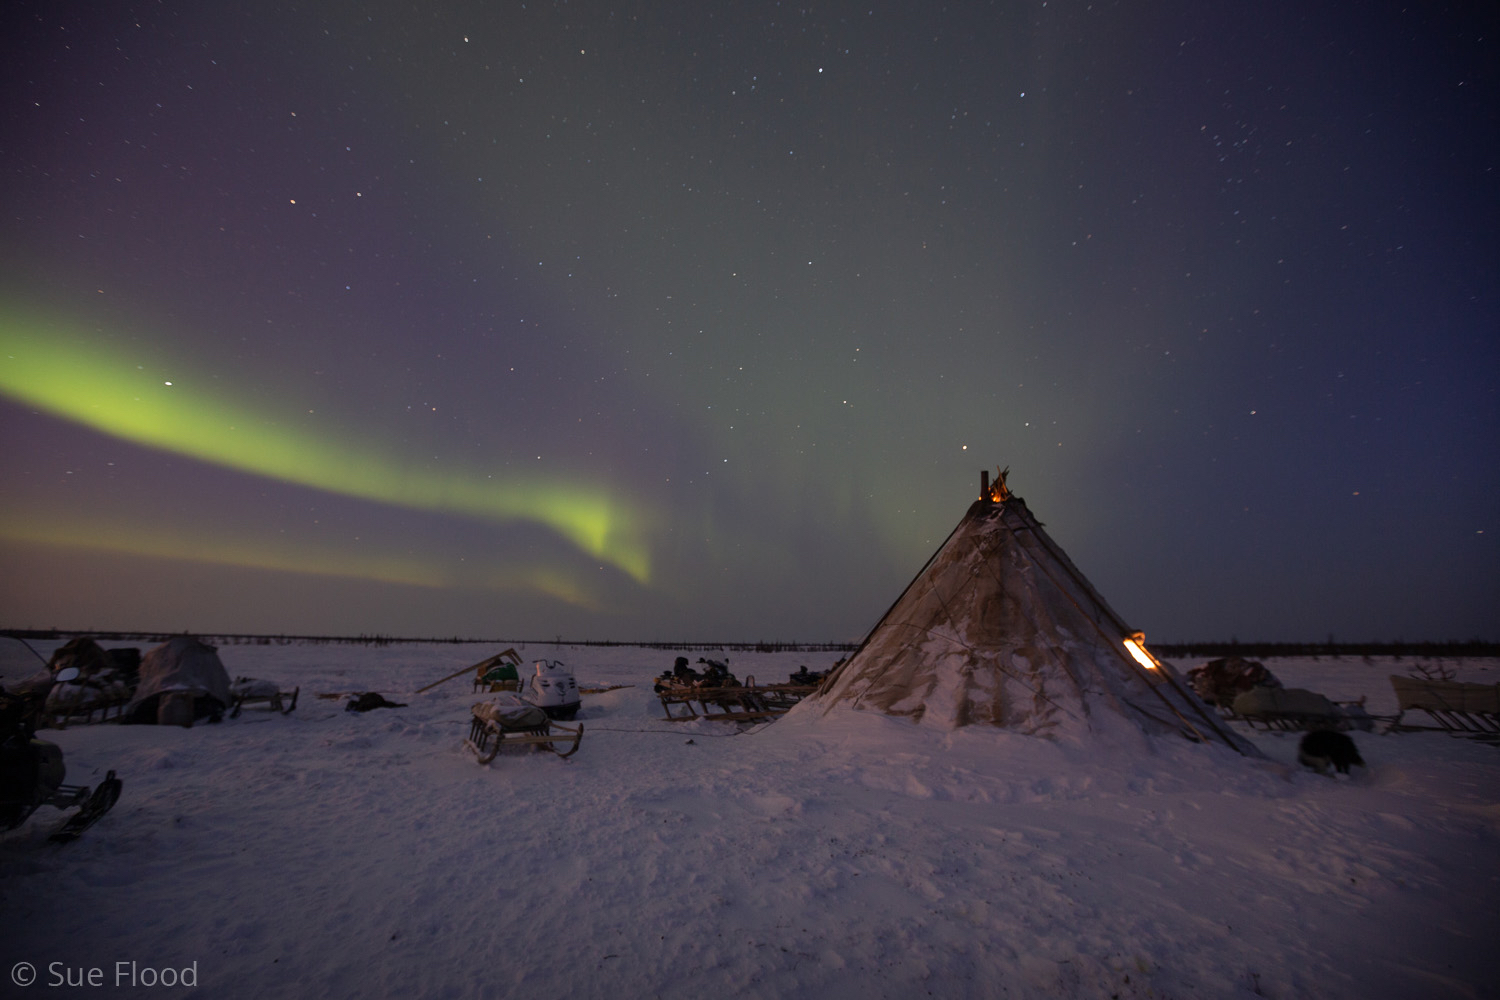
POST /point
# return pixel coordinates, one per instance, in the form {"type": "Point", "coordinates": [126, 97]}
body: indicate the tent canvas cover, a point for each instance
{"type": "Point", "coordinates": [1000, 628]}
{"type": "Point", "coordinates": [182, 663]}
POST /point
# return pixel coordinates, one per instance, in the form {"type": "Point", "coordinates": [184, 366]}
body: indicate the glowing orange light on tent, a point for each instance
{"type": "Point", "coordinates": [1136, 644]}
{"type": "Point", "coordinates": [996, 492]}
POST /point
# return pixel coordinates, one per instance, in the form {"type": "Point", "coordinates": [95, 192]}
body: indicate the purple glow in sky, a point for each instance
{"type": "Point", "coordinates": [681, 320]}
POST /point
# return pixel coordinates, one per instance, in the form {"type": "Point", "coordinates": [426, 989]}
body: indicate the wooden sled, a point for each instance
{"type": "Point", "coordinates": [749, 702]}
{"type": "Point", "coordinates": [1297, 710]}
{"type": "Point", "coordinates": [511, 723]}
{"type": "Point", "coordinates": [83, 705]}
{"type": "Point", "coordinates": [252, 692]}
{"type": "Point", "coordinates": [1456, 707]}
{"type": "Point", "coordinates": [90, 684]}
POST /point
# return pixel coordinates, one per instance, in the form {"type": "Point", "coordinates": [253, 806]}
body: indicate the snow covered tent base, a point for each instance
{"type": "Point", "coordinates": [1000, 628]}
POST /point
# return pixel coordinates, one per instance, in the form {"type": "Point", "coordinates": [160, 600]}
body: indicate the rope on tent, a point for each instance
{"type": "Point", "coordinates": [948, 614]}
{"type": "Point", "coordinates": [1083, 582]}
{"type": "Point", "coordinates": [1191, 700]}
{"type": "Point", "coordinates": [1139, 672]}
{"type": "Point", "coordinates": [833, 674]}
{"type": "Point", "coordinates": [1112, 642]}
{"type": "Point", "coordinates": [988, 564]}
{"type": "Point", "coordinates": [1019, 680]}
{"type": "Point", "coordinates": [1115, 643]}
{"type": "Point", "coordinates": [1077, 576]}
{"type": "Point", "coordinates": [943, 604]}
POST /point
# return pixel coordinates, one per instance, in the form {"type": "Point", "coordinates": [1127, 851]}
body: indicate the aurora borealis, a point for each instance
{"type": "Point", "coordinates": [699, 320]}
{"type": "Point", "coordinates": [83, 382]}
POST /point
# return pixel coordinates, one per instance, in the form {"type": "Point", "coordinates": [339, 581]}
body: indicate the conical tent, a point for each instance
{"type": "Point", "coordinates": [1001, 628]}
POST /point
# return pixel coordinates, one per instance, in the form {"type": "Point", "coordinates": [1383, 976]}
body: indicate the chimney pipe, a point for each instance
{"type": "Point", "coordinates": [984, 484]}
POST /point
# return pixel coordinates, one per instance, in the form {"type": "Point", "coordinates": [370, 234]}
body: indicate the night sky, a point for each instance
{"type": "Point", "coordinates": [699, 320]}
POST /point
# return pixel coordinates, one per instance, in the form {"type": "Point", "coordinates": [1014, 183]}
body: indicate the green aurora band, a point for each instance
{"type": "Point", "coordinates": [92, 383]}
{"type": "Point", "coordinates": [191, 546]}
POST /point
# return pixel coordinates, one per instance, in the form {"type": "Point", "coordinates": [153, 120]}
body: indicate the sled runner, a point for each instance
{"type": "Point", "coordinates": [1297, 710]}
{"type": "Point", "coordinates": [509, 721]}
{"type": "Point", "coordinates": [1455, 706]}
{"type": "Point", "coordinates": [92, 809]}
{"type": "Point", "coordinates": [32, 770]}
{"type": "Point", "coordinates": [84, 703]}
{"type": "Point", "coordinates": [103, 683]}
{"type": "Point", "coordinates": [748, 702]}
{"type": "Point", "coordinates": [248, 691]}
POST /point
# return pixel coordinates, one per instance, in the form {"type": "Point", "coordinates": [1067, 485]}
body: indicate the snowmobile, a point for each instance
{"type": "Point", "coordinates": [32, 770]}
{"type": "Point", "coordinates": [553, 689]}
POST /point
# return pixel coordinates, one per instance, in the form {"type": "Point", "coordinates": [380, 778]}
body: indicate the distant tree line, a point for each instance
{"type": "Point", "coordinates": [1333, 650]}
{"type": "Point", "coordinates": [1177, 650]}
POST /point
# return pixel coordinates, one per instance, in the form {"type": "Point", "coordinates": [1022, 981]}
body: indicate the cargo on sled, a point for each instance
{"type": "Point", "coordinates": [506, 721]}
{"type": "Point", "coordinates": [552, 687]}
{"type": "Point", "coordinates": [715, 693]}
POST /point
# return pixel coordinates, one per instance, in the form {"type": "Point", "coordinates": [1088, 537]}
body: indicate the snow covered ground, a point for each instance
{"type": "Point", "coordinates": [331, 854]}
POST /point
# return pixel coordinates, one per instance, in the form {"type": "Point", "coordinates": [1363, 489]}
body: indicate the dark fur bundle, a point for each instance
{"type": "Point", "coordinates": [370, 700]}
{"type": "Point", "coordinates": [1325, 748]}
